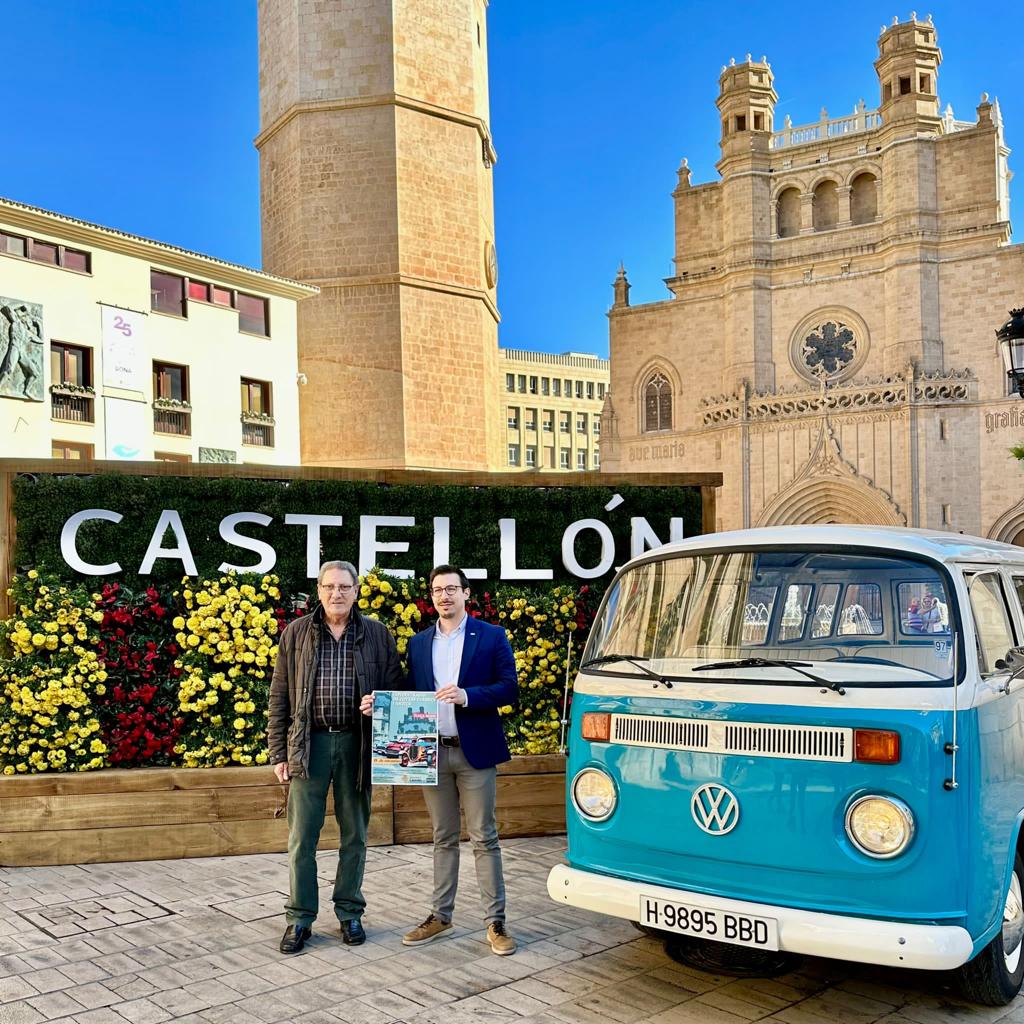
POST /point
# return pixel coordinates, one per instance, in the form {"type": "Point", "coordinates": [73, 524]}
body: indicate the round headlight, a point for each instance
{"type": "Point", "coordinates": [593, 794]}
{"type": "Point", "coordinates": [880, 826]}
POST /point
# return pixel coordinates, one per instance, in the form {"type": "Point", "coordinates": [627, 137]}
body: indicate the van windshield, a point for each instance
{"type": "Point", "coordinates": [861, 618]}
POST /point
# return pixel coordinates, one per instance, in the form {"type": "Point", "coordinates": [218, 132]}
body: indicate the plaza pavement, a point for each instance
{"type": "Point", "coordinates": [196, 941]}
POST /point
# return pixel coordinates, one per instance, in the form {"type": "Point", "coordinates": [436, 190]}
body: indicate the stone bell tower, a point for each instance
{"type": "Point", "coordinates": [375, 169]}
{"type": "Point", "coordinates": [746, 106]}
{"type": "Point", "coordinates": [908, 69]}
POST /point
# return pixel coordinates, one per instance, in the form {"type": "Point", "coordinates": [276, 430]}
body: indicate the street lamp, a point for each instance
{"type": "Point", "coordinates": [1011, 346]}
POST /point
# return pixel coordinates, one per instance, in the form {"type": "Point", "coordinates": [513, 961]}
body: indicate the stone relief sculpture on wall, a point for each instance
{"type": "Point", "coordinates": [21, 349]}
{"type": "Point", "coordinates": [224, 455]}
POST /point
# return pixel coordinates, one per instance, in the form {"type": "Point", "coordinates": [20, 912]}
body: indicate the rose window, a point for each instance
{"type": "Point", "coordinates": [829, 349]}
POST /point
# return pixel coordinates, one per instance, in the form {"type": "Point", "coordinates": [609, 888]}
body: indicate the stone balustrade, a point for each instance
{"type": "Point", "coordinates": [861, 120]}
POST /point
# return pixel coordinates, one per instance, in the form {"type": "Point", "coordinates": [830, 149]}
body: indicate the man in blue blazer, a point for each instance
{"type": "Point", "coordinates": [470, 666]}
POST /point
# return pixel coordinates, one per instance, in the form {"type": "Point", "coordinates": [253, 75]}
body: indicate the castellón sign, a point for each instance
{"type": "Point", "coordinates": [160, 521]}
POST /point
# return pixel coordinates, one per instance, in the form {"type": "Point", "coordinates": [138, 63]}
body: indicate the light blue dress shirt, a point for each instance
{"type": "Point", "coordinates": [446, 651]}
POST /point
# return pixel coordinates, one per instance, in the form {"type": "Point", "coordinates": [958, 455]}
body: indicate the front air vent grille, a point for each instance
{"type": "Point", "coordinates": [651, 731]}
{"type": "Point", "coordinates": [750, 739]}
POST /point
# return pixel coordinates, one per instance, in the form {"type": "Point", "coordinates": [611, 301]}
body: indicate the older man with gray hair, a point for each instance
{"type": "Point", "coordinates": [326, 662]}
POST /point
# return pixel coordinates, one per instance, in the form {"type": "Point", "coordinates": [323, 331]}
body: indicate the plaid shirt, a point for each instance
{"type": "Point", "coordinates": [335, 695]}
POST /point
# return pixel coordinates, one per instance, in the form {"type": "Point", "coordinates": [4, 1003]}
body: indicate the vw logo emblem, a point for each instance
{"type": "Point", "coordinates": [715, 809]}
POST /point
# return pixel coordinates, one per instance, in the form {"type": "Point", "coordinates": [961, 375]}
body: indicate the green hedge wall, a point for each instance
{"type": "Point", "coordinates": [42, 504]}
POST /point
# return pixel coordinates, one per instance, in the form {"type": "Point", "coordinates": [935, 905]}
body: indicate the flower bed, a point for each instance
{"type": "Point", "coordinates": [181, 677]}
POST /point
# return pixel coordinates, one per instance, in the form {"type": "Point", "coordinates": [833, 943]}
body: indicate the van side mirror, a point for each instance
{"type": "Point", "coordinates": [1012, 661]}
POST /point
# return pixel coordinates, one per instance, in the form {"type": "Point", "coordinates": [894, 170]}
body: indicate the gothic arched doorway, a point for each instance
{"type": "Point", "coordinates": [1009, 527]}
{"type": "Point", "coordinates": [826, 500]}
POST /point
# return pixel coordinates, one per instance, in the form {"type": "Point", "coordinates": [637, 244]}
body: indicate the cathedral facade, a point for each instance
{"type": "Point", "coordinates": [829, 343]}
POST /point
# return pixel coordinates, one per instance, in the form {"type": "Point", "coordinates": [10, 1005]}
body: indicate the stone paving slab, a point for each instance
{"type": "Point", "coordinates": [196, 941]}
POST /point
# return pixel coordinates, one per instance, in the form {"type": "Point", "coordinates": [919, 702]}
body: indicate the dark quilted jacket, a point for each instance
{"type": "Point", "coordinates": [290, 715]}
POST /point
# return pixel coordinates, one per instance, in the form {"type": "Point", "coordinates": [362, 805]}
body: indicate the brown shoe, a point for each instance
{"type": "Point", "coordinates": [426, 932]}
{"type": "Point", "coordinates": [501, 942]}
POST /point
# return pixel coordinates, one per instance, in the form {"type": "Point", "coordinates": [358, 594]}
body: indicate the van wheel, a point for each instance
{"type": "Point", "coordinates": [994, 976]}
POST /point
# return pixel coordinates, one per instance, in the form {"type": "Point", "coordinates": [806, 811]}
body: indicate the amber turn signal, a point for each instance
{"type": "Point", "coordinates": [876, 746]}
{"type": "Point", "coordinates": [597, 726]}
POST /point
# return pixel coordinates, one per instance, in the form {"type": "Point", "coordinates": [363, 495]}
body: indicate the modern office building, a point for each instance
{"type": "Point", "coordinates": [552, 409]}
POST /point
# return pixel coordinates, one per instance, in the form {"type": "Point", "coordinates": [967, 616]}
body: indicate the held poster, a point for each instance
{"type": "Point", "coordinates": [404, 738]}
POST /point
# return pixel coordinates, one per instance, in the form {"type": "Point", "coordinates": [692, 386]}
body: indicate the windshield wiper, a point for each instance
{"type": "Point", "coordinates": [796, 666]}
{"type": "Point", "coordinates": [636, 660]}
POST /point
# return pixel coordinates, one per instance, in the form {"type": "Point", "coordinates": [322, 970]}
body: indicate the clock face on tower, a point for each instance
{"type": "Point", "coordinates": [490, 264]}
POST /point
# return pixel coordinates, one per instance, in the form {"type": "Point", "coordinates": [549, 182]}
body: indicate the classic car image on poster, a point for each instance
{"type": "Point", "coordinates": [143, 602]}
{"type": "Point", "coordinates": [404, 738]}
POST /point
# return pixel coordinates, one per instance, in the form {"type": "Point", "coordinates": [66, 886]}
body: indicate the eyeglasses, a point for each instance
{"type": "Point", "coordinates": [451, 590]}
{"type": "Point", "coordinates": [337, 588]}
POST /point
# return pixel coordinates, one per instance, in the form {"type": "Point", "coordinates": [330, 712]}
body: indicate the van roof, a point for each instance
{"type": "Point", "coordinates": [934, 544]}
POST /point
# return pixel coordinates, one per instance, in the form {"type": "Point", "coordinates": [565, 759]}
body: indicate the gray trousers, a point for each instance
{"type": "Point", "coordinates": [475, 788]}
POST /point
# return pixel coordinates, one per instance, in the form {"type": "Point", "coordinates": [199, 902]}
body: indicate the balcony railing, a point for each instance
{"type": "Point", "coordinates": [258, 429]}
{"type": "Point", "coordinates": [172, 421]}
{"type": "Point", "coordinates": [72, 408]}
{"type": "Point", "coordinates": [861, 120]}
{"type": "Point", "coordinates": [261, 434]}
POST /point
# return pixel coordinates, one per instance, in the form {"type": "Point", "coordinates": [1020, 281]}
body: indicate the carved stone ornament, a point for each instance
{"type": "Point", "coordinates": [21, 349]}
{"type": "Point", "coordinates": [888, 395]}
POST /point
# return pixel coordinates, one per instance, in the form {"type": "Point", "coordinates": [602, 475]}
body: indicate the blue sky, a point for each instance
{"type": "Point", "coordinates": [141, 117]}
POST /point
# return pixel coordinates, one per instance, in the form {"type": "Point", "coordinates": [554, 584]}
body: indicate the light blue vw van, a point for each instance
{"type": "Point", "coordinates": [809, 739]}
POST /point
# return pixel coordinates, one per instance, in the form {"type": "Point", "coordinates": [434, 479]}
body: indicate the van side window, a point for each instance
{"type": "Point", "coordinates": [862, 610]}
{"type": "Point", "coordinates": [825, 610]}
{"type": "Point", "coordinates": [991, 622]}
{"type": "Point", "coordinates": [757, 614]}
{"type": "Point", "coordinates": [922, 608]}
{"type": "Point", "coordinates": [794, 611]}
{"type": "Point", "coordinates": [1018, 585]}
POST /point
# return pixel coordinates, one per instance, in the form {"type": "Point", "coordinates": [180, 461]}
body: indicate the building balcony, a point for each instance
{"type": "Point", "coordinates": [173, 419]}
{"type": "Point", "coordinates": [257, 429]}
{"type": "Point", "coordinates": [73, 404]}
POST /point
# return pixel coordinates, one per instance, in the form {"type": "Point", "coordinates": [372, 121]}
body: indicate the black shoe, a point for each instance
{"type": "Point", "coordinates": [294, 938]}
{"type": "Point", "coordinates": [353, 933]}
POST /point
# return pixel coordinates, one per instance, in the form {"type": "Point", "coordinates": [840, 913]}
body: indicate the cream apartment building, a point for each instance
{"type": "Point", "coordinates": [828, 342]}
{"type": "Point", "coordinates": [113, 346]}
{"type": "Point", "coordinates": [552, 405]}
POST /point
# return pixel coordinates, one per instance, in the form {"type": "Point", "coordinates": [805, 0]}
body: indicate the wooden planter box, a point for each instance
{"type": "Point", "coordinates": [168, 813]}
